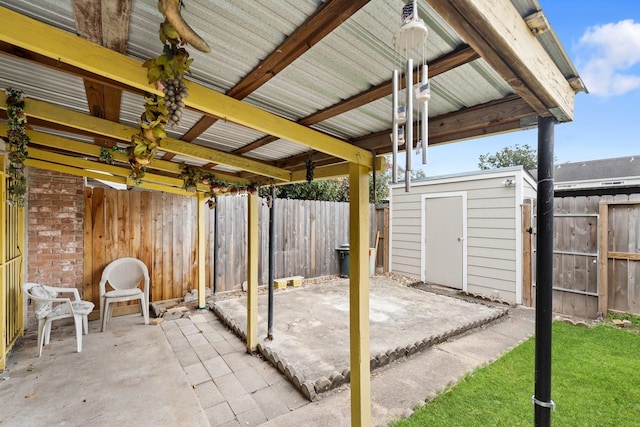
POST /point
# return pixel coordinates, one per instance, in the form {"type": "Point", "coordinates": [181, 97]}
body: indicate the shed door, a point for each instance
{"type": "Point", "coordinates": [444, 234]}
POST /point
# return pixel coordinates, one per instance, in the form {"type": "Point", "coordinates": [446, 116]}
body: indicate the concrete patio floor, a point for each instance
{"type": "Point", "coordinates": [194, 371]}
{"type": "Point", "coordinates": [311, 327]}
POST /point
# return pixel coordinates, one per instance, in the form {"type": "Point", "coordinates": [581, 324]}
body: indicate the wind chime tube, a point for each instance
{"type": "Point", "coordinates": [424, 130]}
{"type": "Point", "coordinates": [394, 128]}
{"type": "Point", "coordinates": [408, 127]}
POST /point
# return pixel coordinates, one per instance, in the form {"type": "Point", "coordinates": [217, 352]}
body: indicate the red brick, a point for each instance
{"type": "Point", "coordinates": [55, 228]}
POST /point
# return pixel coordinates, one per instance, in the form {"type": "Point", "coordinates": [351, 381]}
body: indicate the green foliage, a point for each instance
{"type": "Point", "coordinates": [510, 156]}
{"type": "Point", "coordinates": [415, 174]}
{"type": "Point", "coordinates": [17, 140]}
{"type": "Point", "coordinates": [332, 190]}
{"type": "Point", "coordinates": [168, 69]}
{"type": "Point", "coordinates": [191, 177]}
{"type": "Point", "coordinates": [594, 378]}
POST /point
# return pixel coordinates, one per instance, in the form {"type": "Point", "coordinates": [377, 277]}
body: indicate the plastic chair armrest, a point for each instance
{"type": "Point", "coordinates": [61, 290]}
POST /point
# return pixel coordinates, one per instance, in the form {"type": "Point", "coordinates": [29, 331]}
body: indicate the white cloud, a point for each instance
{"type": "Point", "coordinates": [607, 57]}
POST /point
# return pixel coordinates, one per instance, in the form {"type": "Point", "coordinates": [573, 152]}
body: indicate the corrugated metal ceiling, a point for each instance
{"type": "Point", "coordinates": [355, 57]}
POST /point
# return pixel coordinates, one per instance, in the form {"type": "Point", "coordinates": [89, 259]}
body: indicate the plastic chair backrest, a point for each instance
{"type": "Point", "coordinates": [125, 273]}
{"type": "Point", "coordinates": [42, 298]}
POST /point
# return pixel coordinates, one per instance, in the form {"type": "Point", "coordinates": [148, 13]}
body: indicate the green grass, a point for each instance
{"type": "Point", "coordinates": [595, 382]}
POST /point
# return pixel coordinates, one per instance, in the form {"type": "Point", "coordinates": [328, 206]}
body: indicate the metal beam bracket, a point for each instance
{"type": "Point", "coordinates": [551, 404]}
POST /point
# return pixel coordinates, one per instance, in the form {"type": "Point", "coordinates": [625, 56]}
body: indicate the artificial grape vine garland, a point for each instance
{"type": "Point", "coordinates": [18, 140]}
{"type": "Point", "coordinates": [166, 73]}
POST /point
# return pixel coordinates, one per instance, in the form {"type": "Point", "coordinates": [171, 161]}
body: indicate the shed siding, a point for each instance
{"type": "Point", "coordinates": [493, 265]}
{"type": "Point", "coordinates": [405, 231]}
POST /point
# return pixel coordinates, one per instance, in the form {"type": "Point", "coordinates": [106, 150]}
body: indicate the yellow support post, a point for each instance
{"type": "Point", "coordinates": [359, 295]}
{"type": "Point", "coordinates": [252, 273]}
{"type": "Point", "coordinates": [3, 277]}
{"type": "Point", "coordinates": [201, 254]}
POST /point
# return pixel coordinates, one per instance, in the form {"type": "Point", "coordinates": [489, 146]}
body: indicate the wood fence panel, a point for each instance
{"type": "Point", "coordinates": [88, 270]}
{"type": "Point", "coordinates": [161, 230]}
{"type": "Point", "coordinates": [623, 248]}
{"type": "Point", "coordinates": [146, 239]}
{"type": "Point", "coordinates": [222, 255]}
{"type": "Point", "coordinates": [98, 256]}
{"type": "Point", "coordinates": [176, 246]}
{"type": "Point", "coordinates": [157, 237]}
{"type": "Point", "coordinates": [122, 225]}
{"type": "Point", "coordinates": [135, 220]}
{"type": "Point", "coordinates": [582, 285]}
{"type": "Point", "coordinates": [167, 247]}
{"type": "Point", "coordinates": [157, 228]}
{"type": "Point", "coordinates": [575, 268]}
{"type": "Point", "coordinates": [111, 225]}
{"type": "Point", "coordinates": [382, 225]}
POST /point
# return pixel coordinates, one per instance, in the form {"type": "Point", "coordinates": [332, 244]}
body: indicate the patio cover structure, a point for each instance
{"type": "Point", "coordinates": [286, 82]}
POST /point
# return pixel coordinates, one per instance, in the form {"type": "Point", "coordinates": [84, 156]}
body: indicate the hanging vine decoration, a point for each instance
{"type": "Point", "coordinates": [106, 153]}
{"type": "Point", "coordinates": [18, 140]}
{"type": "Point", "coordinates": [310, 165]}
{"type": "Point", "coordinates": [191, 176]}
{"type": "Point", "coordinates": [166, 73]}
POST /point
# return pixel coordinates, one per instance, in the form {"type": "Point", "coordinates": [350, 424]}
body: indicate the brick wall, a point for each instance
{"type": "Point", "coordinates": [55, 230]}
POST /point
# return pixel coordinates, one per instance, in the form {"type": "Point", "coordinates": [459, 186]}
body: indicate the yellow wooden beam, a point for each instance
{"type": "Point", "coordinates": [253, 201]}
{"type": "Point", "coordinates": [38, 154]}
{"type": "Point", "coordinates": [201, 254]}
{"type": "Point", "coordinates": [65, 47]}
{"type": "Point", "coordinates": [56, 167]}
{"type": "Point", "coordinates": [121, 132]}
{"type": "Point", "coordinates": [93, 150]}
{"type": "Point", "coordinates": [203, 153]}
{"type": "Point", "coordinates": [335, 170]}
{"type": "Point", "coordinates": [359, 295]}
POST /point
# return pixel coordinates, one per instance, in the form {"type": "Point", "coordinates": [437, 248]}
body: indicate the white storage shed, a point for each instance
{"type": "Point", "coordinates": [463, 231]}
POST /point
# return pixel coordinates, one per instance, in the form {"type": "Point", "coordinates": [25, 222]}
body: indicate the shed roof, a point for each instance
{"type": "Point", "coordinates": [320, 70]}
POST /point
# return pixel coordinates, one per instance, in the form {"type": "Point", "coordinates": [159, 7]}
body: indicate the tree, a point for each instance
{"type": "Point", "coordinates": [508, 156]}
{"type": "Point", "coordinates": [331, 190]}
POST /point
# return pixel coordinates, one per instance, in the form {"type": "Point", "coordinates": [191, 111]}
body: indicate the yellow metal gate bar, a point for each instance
{"type": "Point", "coordinates": [11, 269]}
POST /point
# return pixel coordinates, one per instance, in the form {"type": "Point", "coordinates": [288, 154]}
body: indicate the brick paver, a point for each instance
{"type": "Point", "coordinates": [233, 387]}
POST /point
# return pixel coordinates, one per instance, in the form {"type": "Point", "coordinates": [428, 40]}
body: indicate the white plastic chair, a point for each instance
{"type": "Point", "coordinates": [124, 275]}
{"type": "Point", "coordinates": [49, 307]}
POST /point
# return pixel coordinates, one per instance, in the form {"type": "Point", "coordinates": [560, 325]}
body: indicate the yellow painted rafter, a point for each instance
{"type": "Point", "coordinates": [84, 122]}
{"type": "Point", "coordinates": [56, 167]}
{"type": "Point", "coordinates": [38, 154]}
{"type": "Point", "coordinates": [65, 47]}
{"type": "Point", "coordinates": [93, 150]}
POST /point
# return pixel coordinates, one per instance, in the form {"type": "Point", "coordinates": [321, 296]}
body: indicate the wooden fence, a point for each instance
{"type": "Point", "coordinates": [161, 230]}
{"type": "Point", "coordinates": [596, 258]}
{"type": "Point", "coordinates": [306, 236]}
{"type": "Point", "coordinates": [620, 255]}
{"type": "Point", "coordinates": [158, 228]}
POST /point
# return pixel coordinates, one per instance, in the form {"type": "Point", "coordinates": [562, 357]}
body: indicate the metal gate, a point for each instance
{"type": "Point", "coordinates": [11, 270]}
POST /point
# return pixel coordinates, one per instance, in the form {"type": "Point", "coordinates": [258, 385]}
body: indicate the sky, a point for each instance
{"type": "Point", "coordinates": [602, 39]}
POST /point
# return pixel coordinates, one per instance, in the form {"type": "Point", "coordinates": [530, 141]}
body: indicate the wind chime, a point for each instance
{"type": "Point", "coordinates": [410, 41]}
